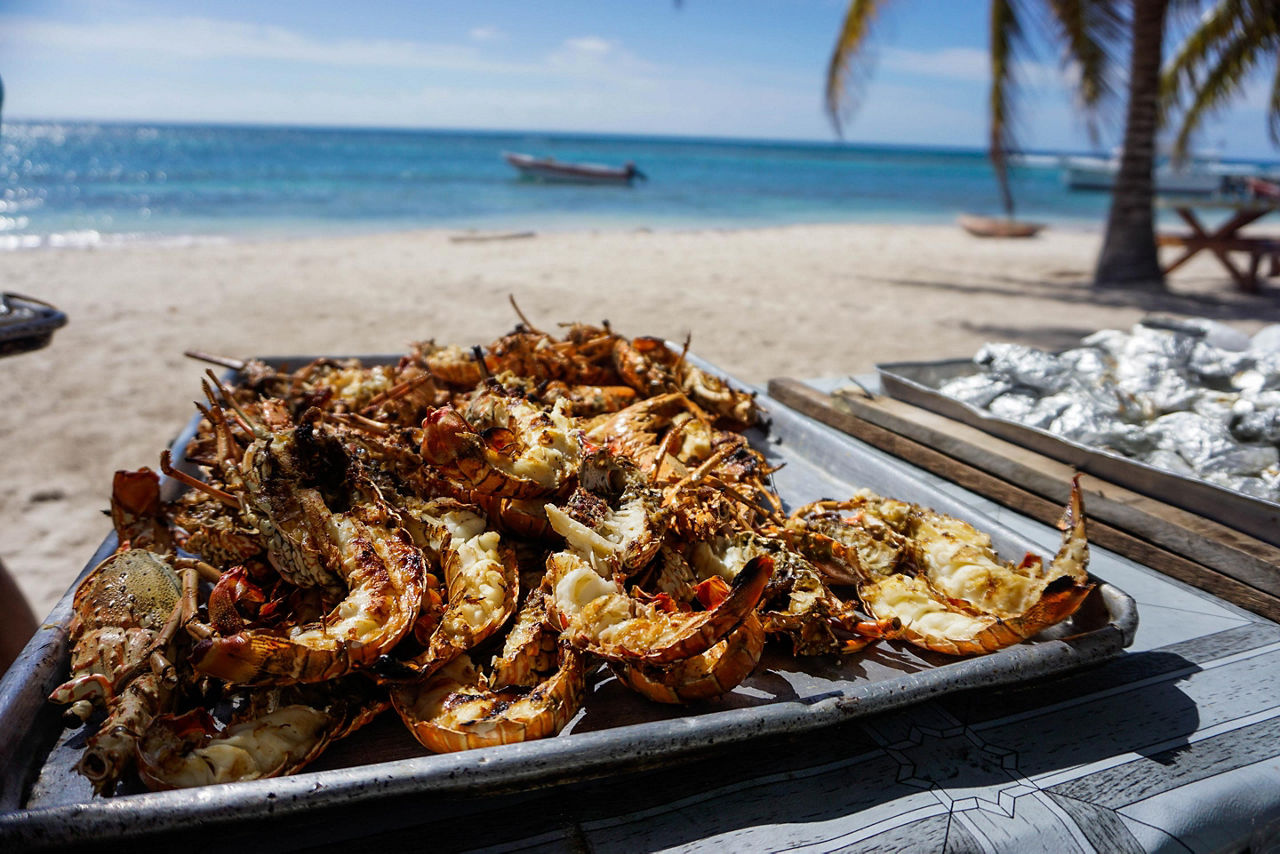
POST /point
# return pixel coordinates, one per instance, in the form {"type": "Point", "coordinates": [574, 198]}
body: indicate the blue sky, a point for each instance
{"type": "Point", "coordinates": [741, 68]}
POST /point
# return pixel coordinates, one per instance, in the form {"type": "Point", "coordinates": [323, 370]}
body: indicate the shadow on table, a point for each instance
{"type": "Point", "coordinates": [1132, 705]}
{"type": "Point", "coordinates": [977, 743]}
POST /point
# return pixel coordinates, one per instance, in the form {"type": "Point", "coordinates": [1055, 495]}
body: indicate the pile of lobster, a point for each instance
{"type": "Point", "coordinates": [465, 536]}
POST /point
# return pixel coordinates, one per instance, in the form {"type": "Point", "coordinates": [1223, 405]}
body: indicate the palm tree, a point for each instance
{"type": "Point", "coordinates": [1233, 38]}
{"type": "Point", "coordinates": [1129, 257]}
{"type": "Point", "coordinates": [1085, 28]}
{"type": "Point", "coordinates": [1088, 31]}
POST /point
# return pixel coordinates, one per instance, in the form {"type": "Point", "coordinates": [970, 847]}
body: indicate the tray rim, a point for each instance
{"type": "Point", "coordinates": [1207, 498]}
{"type": "Point", "coordinates": [533, 764]}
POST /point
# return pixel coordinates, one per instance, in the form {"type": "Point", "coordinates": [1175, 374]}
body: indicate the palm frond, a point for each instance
{"type": "Point", "coordinates": [1090, 32]}
{"type": "Point", "coordinates": [1216, 26]}
{"type": "Point", "coordinates": [1273, 108]}
{"type": "Point", "coordinates": [1007, 41]}
{"type": "Point", "coordinates": [849, 65]}
{"type": "Point", "coordinates": [1251, 43]}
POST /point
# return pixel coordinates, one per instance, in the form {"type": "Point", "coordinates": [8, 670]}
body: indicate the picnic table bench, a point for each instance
{"type": "Point", "coordinates": [1224, 238]}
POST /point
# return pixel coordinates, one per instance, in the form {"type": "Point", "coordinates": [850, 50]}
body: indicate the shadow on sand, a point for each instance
{"type": "Point", "coordinates": [1211, 298]}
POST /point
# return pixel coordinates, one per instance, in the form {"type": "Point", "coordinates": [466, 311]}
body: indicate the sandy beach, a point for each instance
{"type": "Point", "coordinates": [113, 387]}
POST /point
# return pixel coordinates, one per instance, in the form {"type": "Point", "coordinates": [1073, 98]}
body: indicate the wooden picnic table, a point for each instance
{"type": "Point", "coordinates": [1224, 238]}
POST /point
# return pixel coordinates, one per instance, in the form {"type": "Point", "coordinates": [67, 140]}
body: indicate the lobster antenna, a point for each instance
{"type": "Point", "coordinates": [511, 298]}
{"type": "Point", "coordinates": [398, 390]}
{"type": "Point", "coordinates": [214, 359]}
{"type": "Point", "coordinates": [166, 466]}
{"type": "Point", "coordinates": [251, 425]}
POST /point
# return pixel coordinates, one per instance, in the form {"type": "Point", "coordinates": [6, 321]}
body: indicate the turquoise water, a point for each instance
{"type": "Point", "coordinates": [74, 184]}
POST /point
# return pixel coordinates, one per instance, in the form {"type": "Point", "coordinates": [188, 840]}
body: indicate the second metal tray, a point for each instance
{"type": "Point", "coordinates": [43, 802]}
{"type": "Point", "coordinates": [918, 382]}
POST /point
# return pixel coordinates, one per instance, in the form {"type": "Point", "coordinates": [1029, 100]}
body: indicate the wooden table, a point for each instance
{"type": "Point", "coordinates": [1225, 238]}
{"type": "Point", "coordinates": [1172, 746]}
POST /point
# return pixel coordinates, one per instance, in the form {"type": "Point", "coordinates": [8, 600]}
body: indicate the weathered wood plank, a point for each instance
{"type": "Point", "coordinates": [1119, 520]}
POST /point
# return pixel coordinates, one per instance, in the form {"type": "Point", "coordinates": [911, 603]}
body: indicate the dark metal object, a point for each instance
{"type": "Point", "coordinates": [45, 803]}
{"type": "Point", "coordinates": [26, 323]}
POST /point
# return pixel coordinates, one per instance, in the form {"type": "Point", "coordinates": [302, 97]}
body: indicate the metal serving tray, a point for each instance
{"type": "Point", "coordinates": [44, 802]}
{"type": "Point", "coordinates": [918, 382]}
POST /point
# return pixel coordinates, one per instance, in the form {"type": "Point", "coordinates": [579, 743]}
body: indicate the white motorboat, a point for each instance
{"type": "Point", "coordinates": [550, 169]}
{"type": "Point", "coordinates": [1099, 173]}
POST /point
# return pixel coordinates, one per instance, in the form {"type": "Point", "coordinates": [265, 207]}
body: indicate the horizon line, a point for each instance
{"type": "Point", "coordinates": [835, 143]}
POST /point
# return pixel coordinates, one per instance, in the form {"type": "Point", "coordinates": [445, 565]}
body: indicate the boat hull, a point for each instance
{"type": "Point", "coordinates": [990, 226]}
{"type": "Point", "coordinates": [1170, 181]}
{"type": "Point", "coordinates": [546, 169]}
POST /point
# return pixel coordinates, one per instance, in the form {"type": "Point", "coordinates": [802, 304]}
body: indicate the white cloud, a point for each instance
{"type": "Point", "coordinates": [968, 64]}
{"type": "Point", "coordinates": [590, 82]}
{"type": "Point", "coordinates": [589, 44]}
{"type": "Point", "coordinates": [962, 63]}
{"type": "Point", "coordinates": [196, 38]}
{"type": "Point", "coordinates": [600, 57]}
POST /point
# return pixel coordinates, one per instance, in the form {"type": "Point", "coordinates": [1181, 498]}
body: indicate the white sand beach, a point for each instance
{"type": "Point", "coordinates": [113, 387]}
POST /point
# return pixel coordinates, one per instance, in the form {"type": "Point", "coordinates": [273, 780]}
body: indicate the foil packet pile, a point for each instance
{"type": "Point", "coordinates": [1190, 396]}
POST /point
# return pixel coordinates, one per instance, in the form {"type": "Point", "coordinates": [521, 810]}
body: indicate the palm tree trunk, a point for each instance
{"type": "Point", "coordinates": [1128, 256]}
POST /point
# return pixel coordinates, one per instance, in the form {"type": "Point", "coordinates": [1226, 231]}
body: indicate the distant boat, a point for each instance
{"type": "Point", "coordinates": [550, 169]}
{"type": "Point", "coordinates": [1099, 173]}
{"type": "Point", "coordinates": [998, 226]}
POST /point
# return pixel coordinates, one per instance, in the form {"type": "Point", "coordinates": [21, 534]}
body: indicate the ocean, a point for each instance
{"type": "Point", "coordinates": [78, 184]}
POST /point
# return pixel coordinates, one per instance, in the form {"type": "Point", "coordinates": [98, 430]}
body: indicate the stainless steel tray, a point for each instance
{"type": "Point", "coordinates": [918, 382]}
{"type": "Point", "coordinates": [44, 802]}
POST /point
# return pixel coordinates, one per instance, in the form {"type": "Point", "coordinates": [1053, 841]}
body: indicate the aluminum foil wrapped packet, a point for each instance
{"type": "Point", "coordinates": [1102, 399]}
{"type": "Point", "coordinates": [1172, 348]}
{"type": "Point", "coordinates": [1153, 366]}
{"type": "Point", "coordinates": [1016, 405]}
{"type": "Point", "coordinates": [1191, 396]}
{"type": "Point", "coordinates": [1087, 426]}
{"type": "Point", "coordinates": [1263, 374]}
{"type": "Point", "coordinates": [1088, 364]}
{"type": "Point", "coordinates": [1110, 341]}
{"type": "Point", "coordinates": [1266, 339]}
{"type": "Point", "coordinates": [1256, 487]}
{"type": "Point", "coordinates": [1213, 332]}
{"type": "Point", "coordinates": [1208, 446]}
{"type": "Point", "coordinates": [1215, 367]}
{"type": "Point", "coordinates": [1223, 407]}
{"type": "Point", "coordinates": [1161, 392]}
{"type": "Point", "coordinates": [1047, 409]}
{"type": "Point", "coordinates": [1265, 399]}
{"type": "Point", "coordinates": [1024, 366]}
{"type": "Point", "coordinates": [1169, 461]}
{"type": "Point", "coordinates": [1256, 425]}
{"type": "Point", "coordinates": [976, 390]}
